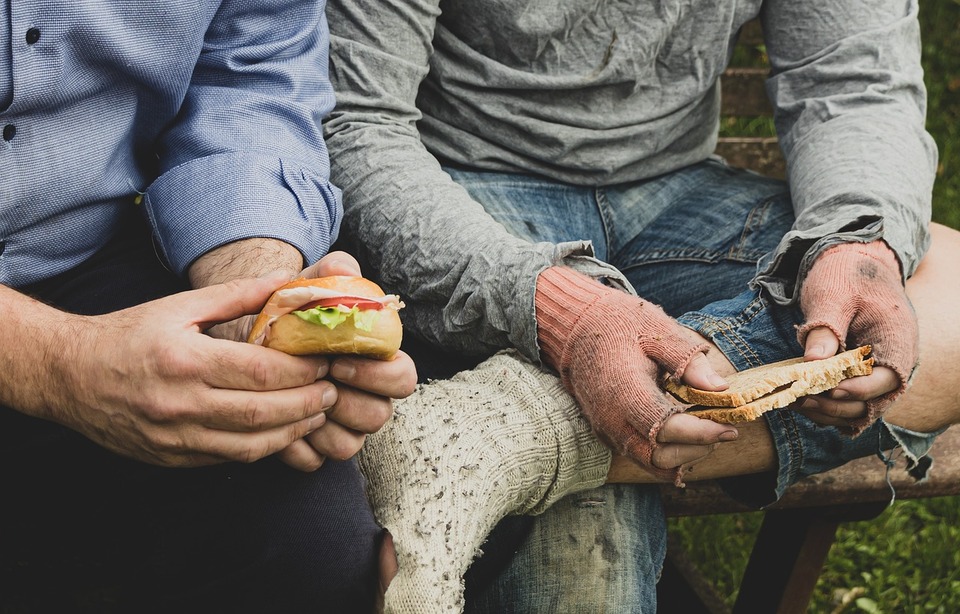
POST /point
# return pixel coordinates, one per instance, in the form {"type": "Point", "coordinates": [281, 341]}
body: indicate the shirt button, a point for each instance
{"type": "Point", "coordinates": [9, 131]}
{"type": "Point", "coordinates": [33, 35]}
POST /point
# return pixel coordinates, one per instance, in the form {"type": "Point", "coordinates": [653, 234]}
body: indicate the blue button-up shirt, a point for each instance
{"type": "Point", "coordinates": [206, 114]}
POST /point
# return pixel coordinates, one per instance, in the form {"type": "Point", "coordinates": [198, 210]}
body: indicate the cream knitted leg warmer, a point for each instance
{"type": "Point", "coordinates": [459, 455]}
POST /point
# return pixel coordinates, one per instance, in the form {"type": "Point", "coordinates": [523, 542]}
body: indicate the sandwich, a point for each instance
{"type": "Point", "coordinates": [330, 315]}
{"type": "Point", "coordinates": [756, 391]}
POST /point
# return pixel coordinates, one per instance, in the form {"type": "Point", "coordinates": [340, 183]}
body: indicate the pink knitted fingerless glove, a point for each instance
{"type": "Point", "coordinates": [609, 348]}
{"type": "Point", "coordinates": [855, 290]}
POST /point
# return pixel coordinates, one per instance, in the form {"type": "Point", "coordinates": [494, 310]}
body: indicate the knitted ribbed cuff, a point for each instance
{"type": "Point", "coordinates": [561, 298]}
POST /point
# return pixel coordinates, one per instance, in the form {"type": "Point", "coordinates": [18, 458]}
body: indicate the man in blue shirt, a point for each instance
{"type": "Point", "coordinates": [148, 149]}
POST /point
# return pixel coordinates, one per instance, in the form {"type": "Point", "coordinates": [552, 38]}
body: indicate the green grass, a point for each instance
{"type": "Point", "coordinates": [904, 561]}
{"type": "Point", "coordinates": [908, 559]}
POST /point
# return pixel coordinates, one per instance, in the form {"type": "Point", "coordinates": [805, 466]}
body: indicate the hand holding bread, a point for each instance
{"type": "Point", "coordinates": [756, 391]}
{"type": "Point", "coordinates": [852, 295]}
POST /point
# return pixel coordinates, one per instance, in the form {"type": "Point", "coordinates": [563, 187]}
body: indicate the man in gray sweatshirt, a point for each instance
{"type": "Point", "coordinates": [539, 176]}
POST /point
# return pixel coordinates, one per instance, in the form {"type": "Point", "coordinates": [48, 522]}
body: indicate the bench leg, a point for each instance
{"type": "Point", "coordinates": [788, 556]}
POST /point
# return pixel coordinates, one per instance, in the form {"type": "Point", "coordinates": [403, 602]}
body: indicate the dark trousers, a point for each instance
{"type": "Point", "coordinates": [229, 538]}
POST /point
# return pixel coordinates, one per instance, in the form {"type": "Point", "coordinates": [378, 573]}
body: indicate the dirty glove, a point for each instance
{"type": "Point", "coordinates": [609, 348]}
{"type": "Point", "coordinates": [855, 290]}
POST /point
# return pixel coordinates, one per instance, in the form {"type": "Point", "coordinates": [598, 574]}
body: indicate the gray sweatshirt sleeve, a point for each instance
{"type": "Point", "coordinates": [468, 283]}
{"type": "Point", "coordinates": [847, 88]}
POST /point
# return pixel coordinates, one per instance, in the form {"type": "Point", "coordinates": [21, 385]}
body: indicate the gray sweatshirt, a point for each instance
{"type": "Point", "coordinates": [597, 92]}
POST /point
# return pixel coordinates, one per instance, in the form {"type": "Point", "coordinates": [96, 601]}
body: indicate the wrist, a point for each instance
{"type": "Point", "coordinates": [877, 251]}
{"type": "Point", "coordinates": [561, 298]}
{"type": "Point", "coordinates": [39, 340]}
{"type": "Point", "coordinates": [253, 257]}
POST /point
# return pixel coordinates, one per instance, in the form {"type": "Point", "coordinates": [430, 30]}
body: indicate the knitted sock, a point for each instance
{"type": "Point", "coordinates": [459, 455]}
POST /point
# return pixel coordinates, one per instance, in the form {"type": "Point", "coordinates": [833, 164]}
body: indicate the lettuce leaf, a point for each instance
{"type": "Point", "coordinates": [331, 317]}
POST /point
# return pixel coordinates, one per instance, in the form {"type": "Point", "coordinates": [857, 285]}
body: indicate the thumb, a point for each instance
{"type": "Point", "coordinates": [228, 301]}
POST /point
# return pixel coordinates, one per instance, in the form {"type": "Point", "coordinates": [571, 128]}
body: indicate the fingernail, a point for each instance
{"type": "Point", "coordinates": [323, 369]}
{"type": "Point", "coordinates": [728, 435]}
{"type": "Point", "coordinates": [810, 403]}
{"type": "Point", "coordinates": [839, 394]}
{"type": "Point", "coordinates": [316, 421]}
{"type": "Point", "coordinates": [816, 350]}
{"type": "Point", "coordinates": [329, 397]}
{"type": "Point", "coordinates": [342, 371]}
{"type": "Point", "coordinates": [717, 381]}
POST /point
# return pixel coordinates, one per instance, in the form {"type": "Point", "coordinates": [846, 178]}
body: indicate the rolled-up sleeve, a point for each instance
{"type": "Point", "coordinates": [849, 99]}
{"type": "Point", "coordinates": [245, 156]}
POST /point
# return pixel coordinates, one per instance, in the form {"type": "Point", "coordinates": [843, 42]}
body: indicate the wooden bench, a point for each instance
{"type": "Point", "coordinates": [798, 531]}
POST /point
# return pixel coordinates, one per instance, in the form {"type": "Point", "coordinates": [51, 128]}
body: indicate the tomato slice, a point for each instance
{"type": "Point", "coordinates": [347, 301]}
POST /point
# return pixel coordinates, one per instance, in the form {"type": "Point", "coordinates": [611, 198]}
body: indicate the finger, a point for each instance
{"type": "Point", "coordinates": [301, 456]}
{"type": "Point", "coordinates": [688, 429]}
{"type": "Point", "coordinates": [234, 330]}
{"type": "Point", "coordinates": [394, 378]}
{"type": "Point", "coordinates": [818, 408]}
{"type": "Point", "coordinates": [249, 447]}
{"type": "Point", "coordinates": [336, 441]}
{"type": "Point", "coordinates": [674, 455]}
{"type": "Point", "coordinates": [360, 411]}
{"type": "Point", "coordinates": [882, 381]}
{"type": "Point", "coordinates": [244, 366]}
{"type": "Point", "coordinates": [820, 343]}
{"type": "Point", "coordinates": [334, 263]}
{"type": "Point", "coordinates": [248, 412]}
{"type": "Point", "coordinates": [825, 420]}
{"type": "Point", "coordinates": [224, 302]}
{"type": "Point", "coordinates": [701, 374]}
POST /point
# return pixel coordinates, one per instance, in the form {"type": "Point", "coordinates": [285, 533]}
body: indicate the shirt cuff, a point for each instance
{"type": "Point", "coordinates": [209, 202]}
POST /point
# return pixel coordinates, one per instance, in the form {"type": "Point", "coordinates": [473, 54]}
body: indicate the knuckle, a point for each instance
{"type": "Point", "coordinates": [251, 453]}
{"type": "Point", "coordinates": [380, 413]}
{"type": "Point", "coordinates": [345, 448]}
{"type": "Point", "coordinates": [261, 375]}
{"type": "Point", "coordinates": [253, 415]}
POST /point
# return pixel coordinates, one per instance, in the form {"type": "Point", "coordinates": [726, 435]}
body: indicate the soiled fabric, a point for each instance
{"type": "Point", "coordinates": [208, 109]}
{"type": "Point", "coordinates": [596, 94]}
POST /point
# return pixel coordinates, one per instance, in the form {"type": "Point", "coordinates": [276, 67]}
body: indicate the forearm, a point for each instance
{"type": "Point", "coordinates": [850, 104]}
{"type": "Point", "coordinates": [253, 257]}
{"type": "Point", "coordinates": [38, 337]}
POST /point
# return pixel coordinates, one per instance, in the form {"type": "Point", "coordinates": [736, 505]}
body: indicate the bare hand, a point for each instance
{"type": "Point", "coordinates": [146, 382]}
{"type": "Point", "coordinates": [848, 401]}
{"type": "Point", "coordinates": [364, 386]}
{"type": "Point", "coordinates": [685, 438]}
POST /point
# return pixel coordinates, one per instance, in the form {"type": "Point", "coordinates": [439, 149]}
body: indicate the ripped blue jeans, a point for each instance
{"type": "Point", "coordinates": [688, 241]}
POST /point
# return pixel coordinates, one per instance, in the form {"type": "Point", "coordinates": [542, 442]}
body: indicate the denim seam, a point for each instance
{"type": "Point", "coordinates": [754, 219]}
{"type": "Point", "coordinates": [795, 458]}
{"type": "Point", "coordinates": [602, 204]}
{"type": "Point", "coordinates": [726, 327]}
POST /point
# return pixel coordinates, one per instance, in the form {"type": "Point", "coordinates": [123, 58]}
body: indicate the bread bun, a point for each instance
{"type": "Point", "coordinates": [279, 329]}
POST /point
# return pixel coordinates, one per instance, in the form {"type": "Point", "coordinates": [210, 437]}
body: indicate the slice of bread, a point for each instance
{"type": "Point", "coordinates": [761, 389]}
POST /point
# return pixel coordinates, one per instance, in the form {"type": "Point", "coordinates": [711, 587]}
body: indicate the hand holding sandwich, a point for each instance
{"type": "Point", "coordinates": [609, 348]}
{"type": "Point", "coordinates": [364, 385]}
{"type": "Point", "coordinates": [145, 382]}
{"type": "Point", "coordinates": [854, 295]}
